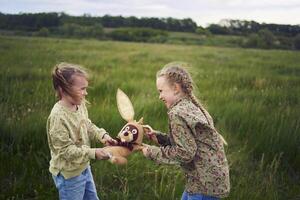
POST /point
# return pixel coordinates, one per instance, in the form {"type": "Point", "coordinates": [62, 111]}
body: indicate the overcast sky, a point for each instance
{"type": "Point", "coordinates": [203, 12]}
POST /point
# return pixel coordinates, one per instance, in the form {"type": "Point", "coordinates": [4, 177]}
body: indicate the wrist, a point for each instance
{"type": "Point", "coordinates": [103, 136]}
{"type": "Point", "coordinates": [148, 151]}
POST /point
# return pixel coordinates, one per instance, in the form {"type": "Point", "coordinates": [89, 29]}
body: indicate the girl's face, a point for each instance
{"type": "Point", "coordinates": [79, 86]}
{"type": "Point", "coordinates": [167, 93]}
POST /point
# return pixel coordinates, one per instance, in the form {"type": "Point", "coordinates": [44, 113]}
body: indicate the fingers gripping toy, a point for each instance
{"type": "Point", "coordinates": [131, 135]}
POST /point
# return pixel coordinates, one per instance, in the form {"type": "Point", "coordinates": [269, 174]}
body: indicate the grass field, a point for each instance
{"type": "Point", "coordinates": [211, 40]}
{"type": "Point", "coordinates": [253, 95]}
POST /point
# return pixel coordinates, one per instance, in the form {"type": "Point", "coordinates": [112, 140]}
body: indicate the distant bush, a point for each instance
{"type": "Point", "coordinates": [139, 35]}
{"type": "Point", "coordinates": [217, 29]}
{"type": "Point", "coordinates": [203, 31]}
{"type": "Point", "coordinates": [67, 29]}
{"type": "Point", "coordinates": [78, 31]}
{"type": "Point", "coordinates": [263, 39]}
{"type": "Point", "coordinates": [96, 31]}
{"type": "Point", "coordinates": [267, 39]}
{"type": "Point", "coordinates": [297, 42]}
{"type": "Point", "coordinates": [284, 42]}
{"type": "Point", "coordinates": [23, 33]}
{"type": "Point", "coordinates": [252, 41]}
{"type": "Point", "coordinates": [43, 32]}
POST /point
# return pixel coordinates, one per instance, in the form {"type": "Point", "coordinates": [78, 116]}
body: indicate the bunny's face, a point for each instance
{"type": "Point", "coordinates": [129, 133]}
{"type": "Point", "coordinates": [132, 132]}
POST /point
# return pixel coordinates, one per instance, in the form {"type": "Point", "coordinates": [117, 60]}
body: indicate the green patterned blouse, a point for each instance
{"type": "Point", "coordinates": [69, 134]}
{"type": "Point", "coordinates": [197, 147]}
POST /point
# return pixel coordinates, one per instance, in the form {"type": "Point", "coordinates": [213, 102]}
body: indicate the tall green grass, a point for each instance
{"type": "Point", "coordinates": [253, 96]}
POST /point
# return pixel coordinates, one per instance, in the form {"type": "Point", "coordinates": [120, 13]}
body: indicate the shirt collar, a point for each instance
{"type": "Point", "coordinates": [177, 102]}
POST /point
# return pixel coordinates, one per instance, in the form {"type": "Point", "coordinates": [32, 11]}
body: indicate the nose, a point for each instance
{"type": "Point", "coordinates": [160, 97]}
{"type": "Point", "coordinates": [126, 134]}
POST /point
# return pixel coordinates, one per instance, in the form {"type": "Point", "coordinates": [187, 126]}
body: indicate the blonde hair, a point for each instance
{"type": "Point", "coordinates": [62, 78]}
{"type": "Point", "coordinates": [176, 72]}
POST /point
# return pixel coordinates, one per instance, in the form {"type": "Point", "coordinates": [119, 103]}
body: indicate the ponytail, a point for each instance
{"type": "Point", "coordinates": [62, 78]}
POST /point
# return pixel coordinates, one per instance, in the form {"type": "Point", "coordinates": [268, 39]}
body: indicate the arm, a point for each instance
{"type": "Point", "coordinates": [158, 137]}
{"type": "Point", "coordinates": [162, 139]}
{"type": "Point", "coordinates": [184, 149]}
{"type": "Point", "coordinates": [95, 133]}
{"type": "Point", "coordinates": [99, 134]}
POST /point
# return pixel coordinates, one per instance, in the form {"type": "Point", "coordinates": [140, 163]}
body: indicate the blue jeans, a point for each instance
{"type": "Point", "coordinates": [187, 196]}
{"type": "Point", "coordinates": [76, 188]}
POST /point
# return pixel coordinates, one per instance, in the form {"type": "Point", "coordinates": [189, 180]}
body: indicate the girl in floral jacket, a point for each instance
{"type": "Point", "coordinates": [192, 142]}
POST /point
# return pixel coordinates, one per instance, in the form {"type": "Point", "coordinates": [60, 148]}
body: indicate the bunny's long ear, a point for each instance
{"type": "Point", "coordinates": [125, 106]}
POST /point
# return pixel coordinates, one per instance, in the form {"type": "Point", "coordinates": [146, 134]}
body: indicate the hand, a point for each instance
{"type": "Point", "coordinates": [150, 133]}
{"type": "Point", "coordinates": [101, 154]}
{"type": "Point", "coordinates": [107, 140]}
{"type": "Point", "coordinates": [145, 149]}
{"type": "Point", "coordinates": [138, 147]}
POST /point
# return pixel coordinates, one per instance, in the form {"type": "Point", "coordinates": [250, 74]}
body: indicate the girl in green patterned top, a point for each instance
{"type": "Point", "coordinates": [192, 142]}
{"type": "Point", "coordinates": [69, 131]}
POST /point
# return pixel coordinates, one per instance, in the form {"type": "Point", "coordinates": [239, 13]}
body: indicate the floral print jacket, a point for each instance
{"type": "Point", "coordinates": [197, 147]}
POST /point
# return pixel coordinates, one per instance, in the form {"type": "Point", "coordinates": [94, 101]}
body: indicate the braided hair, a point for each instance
{"type": "Point", "coordinates": [175, 72]}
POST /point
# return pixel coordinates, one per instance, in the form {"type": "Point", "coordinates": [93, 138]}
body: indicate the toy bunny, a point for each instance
{"type": "Point", "coordinates": [131, 135]}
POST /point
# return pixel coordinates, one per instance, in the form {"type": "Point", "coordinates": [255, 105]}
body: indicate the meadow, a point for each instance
{"type": "Point", "coordinates": [253, 96]}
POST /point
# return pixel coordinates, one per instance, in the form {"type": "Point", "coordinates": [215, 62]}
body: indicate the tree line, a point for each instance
{"type": "Point", "coordinates": [34, 22]}
{"type": "Point", "coordinates": [253, 34]}
{"type": "Point", "coordinates": [243, 27]}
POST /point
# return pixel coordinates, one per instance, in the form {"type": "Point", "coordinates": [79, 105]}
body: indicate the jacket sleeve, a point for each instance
{"type": "Point", "coordinates": [61, 143]}
{"type": "Point", "coordinates": [163, 139]}
{"type": "Point", "coordinates": [94, 132]}
{"type": "Point", "coordinates": [184, 148]}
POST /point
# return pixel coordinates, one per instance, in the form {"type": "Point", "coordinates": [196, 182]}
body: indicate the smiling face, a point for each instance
{"type": "Point", "coordinates": [168, 93]}
{"type": "Point", "coordinates": [129, 133]}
